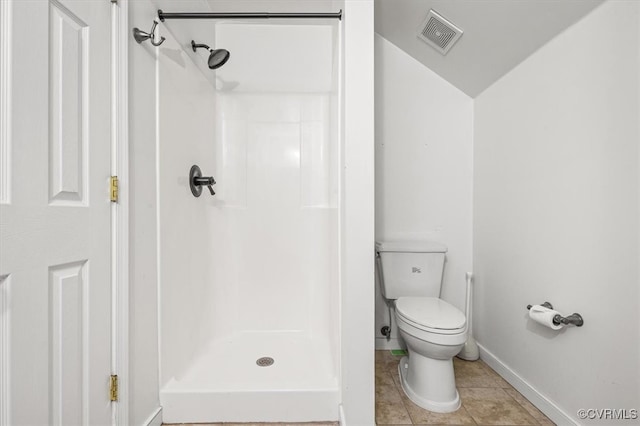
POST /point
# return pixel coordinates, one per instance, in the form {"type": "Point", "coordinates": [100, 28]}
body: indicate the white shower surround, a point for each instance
{"type": "Point", "coordinates": [253, 271]}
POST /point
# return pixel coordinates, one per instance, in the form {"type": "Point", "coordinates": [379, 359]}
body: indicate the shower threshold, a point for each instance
{"type": "Point", "coordinates": [227, 383]}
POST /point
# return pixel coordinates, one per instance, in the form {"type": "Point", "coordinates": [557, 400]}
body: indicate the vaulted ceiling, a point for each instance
{"type": "Point", "coordinates": [498, 34]}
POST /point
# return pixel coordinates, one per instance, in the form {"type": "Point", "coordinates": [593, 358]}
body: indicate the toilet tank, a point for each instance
{"type": "Point", "coordinates": [410, 268]}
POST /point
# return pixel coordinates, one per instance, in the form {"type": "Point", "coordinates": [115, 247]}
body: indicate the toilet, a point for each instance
{"type": "Point", "coordinates": [434, 331]}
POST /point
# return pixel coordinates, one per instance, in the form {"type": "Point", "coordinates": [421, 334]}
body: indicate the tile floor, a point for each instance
{"type": "Point", "coordinates": [487, 399]}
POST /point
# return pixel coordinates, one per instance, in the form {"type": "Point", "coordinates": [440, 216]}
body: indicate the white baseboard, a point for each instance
{"type": "Point", "coordinates": [342, 421]}
{"type": "Point", "coordinates": [543, 404]}
{"type": "Point", "coordinates": [383, 344]}
{"type": "Point", "coordinates": [155, 419]}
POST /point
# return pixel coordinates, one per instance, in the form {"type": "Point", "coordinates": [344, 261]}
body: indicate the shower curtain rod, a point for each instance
{"type": "Point", "coordinates": [244, 15]}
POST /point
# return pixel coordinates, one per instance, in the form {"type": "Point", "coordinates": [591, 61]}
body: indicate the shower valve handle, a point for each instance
{"type": "Point", "coordinates": [204, 180]}
{"type": "Point", "coordinates": [207, 181]}
{"type": "Point", "coordinates": [197, 181]}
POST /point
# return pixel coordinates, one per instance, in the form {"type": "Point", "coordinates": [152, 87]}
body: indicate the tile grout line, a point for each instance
{"type": "Point", "coordinates": [399, 389]}
{"type": "Point", "coordinates": [486, 367]}
{"type": "Point", "coordinates": [384, 371]}
{"type": "Point", "coordinates": [401, 392]}
{"type": "Point", "coordinates": [523, 407]}
{"type": "Point", "coordinates": [473, 419]}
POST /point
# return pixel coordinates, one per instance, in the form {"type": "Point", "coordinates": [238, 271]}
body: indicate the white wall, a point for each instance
{"type": "Point", "coordinates": [556, 214]}
{"type": "Point", "coordinates": [186, 137]}
{"type": "Point", "coordinates": [357, 218]}
{"type": "Point", "coordinates": [424, 155]}
{"type": "Point", "coordinates": [143, 277]}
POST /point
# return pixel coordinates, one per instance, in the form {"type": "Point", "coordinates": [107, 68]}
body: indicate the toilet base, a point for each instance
{"type": "Point", "coordinates": [422, 401]}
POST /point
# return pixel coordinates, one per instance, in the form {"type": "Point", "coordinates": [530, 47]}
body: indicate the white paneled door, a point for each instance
{"type": "Point", "coordinates": [55, 249]}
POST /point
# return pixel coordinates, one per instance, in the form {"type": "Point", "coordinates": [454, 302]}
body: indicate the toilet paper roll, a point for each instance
{"type": "Point", "coordinates": [544, 316]}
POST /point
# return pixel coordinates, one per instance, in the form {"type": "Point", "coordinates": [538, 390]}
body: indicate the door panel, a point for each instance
{"type": "Point", "coordinates": [55, 250]}
{"type": "Point", "coordinates": [68, 112]}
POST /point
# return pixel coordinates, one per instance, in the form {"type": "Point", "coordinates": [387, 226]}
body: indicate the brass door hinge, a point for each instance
{"type": "Point", "coordinates": [113, 388]}
{"type": "Point", "coordinates": [113, 189]}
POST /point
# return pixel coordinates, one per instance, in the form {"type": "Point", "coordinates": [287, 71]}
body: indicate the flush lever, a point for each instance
{"type": "Point", "coordinates": [197, 181]}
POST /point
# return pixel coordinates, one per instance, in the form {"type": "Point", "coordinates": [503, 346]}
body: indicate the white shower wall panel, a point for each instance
{"type": "Point", "coordinates": [277, 166]}
{"type": "Point", "coordinates": [276, 214]}
{"type": "Point", "coordinates": [186, 133]}
{"type": "Point", "coordinates": [277, 58]}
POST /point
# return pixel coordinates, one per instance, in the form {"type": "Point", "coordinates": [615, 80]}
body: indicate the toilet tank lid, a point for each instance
{"type": "Point", "coordinates": [410, 247]}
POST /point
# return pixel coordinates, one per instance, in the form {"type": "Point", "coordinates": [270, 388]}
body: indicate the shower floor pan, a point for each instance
{"type": "Point", "coordinates": [226, 384]}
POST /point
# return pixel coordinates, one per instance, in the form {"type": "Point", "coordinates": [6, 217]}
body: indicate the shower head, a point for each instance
{"type": "Point", "coordinates": [217, 57]}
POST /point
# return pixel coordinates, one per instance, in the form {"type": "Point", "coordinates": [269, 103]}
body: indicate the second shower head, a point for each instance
{"type": "Point", "coordinates": [217, 57]}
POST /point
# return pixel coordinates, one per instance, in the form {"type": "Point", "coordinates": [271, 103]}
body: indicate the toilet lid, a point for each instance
{"type": "Point", "coordinates": [430, 312]}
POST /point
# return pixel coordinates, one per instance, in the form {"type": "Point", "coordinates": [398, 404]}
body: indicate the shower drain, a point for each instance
{"type": "Point", "coordinates": [265, 361]}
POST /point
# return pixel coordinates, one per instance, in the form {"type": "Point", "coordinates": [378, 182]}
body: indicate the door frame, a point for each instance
{"type": "Point", "coordinates": [5, 193]}
{"type": "Point", "coordinates": [120, 209]}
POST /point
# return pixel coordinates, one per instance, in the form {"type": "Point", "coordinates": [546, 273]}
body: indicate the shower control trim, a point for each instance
{"type": "Point", "coordinates": [197, 181]}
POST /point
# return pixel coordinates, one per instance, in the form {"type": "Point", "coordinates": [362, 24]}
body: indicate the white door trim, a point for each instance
{"type": "Point", "coordinates": [5, 197]}
{"type": "Point", "coordinates": [5, 101]}
{"type": "Point", "coordinates": [120, 209]}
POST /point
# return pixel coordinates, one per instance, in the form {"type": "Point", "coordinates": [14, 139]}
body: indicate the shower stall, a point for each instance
{"type": "Point", "coordinates": [250, 278]}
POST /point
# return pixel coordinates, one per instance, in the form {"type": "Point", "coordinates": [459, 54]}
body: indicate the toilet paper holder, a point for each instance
{"type": "Point", "coordinates": [575, 318]}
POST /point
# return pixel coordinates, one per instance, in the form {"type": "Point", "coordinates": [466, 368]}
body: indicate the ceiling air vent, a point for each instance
{"type": "Point", "coordinates": [439, 33]}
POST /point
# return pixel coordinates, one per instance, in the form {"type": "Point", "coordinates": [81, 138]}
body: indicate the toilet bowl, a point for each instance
{"type": "Point", "coordinates": [434, 332]}
{"type": "Point", "coordinates": [410, 273]}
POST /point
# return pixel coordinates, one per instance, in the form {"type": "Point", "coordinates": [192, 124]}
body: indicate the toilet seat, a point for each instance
{"type": "Point", "coordinates": [433, 336]}
{"type": "Point", "coordinates": [431, 315]}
